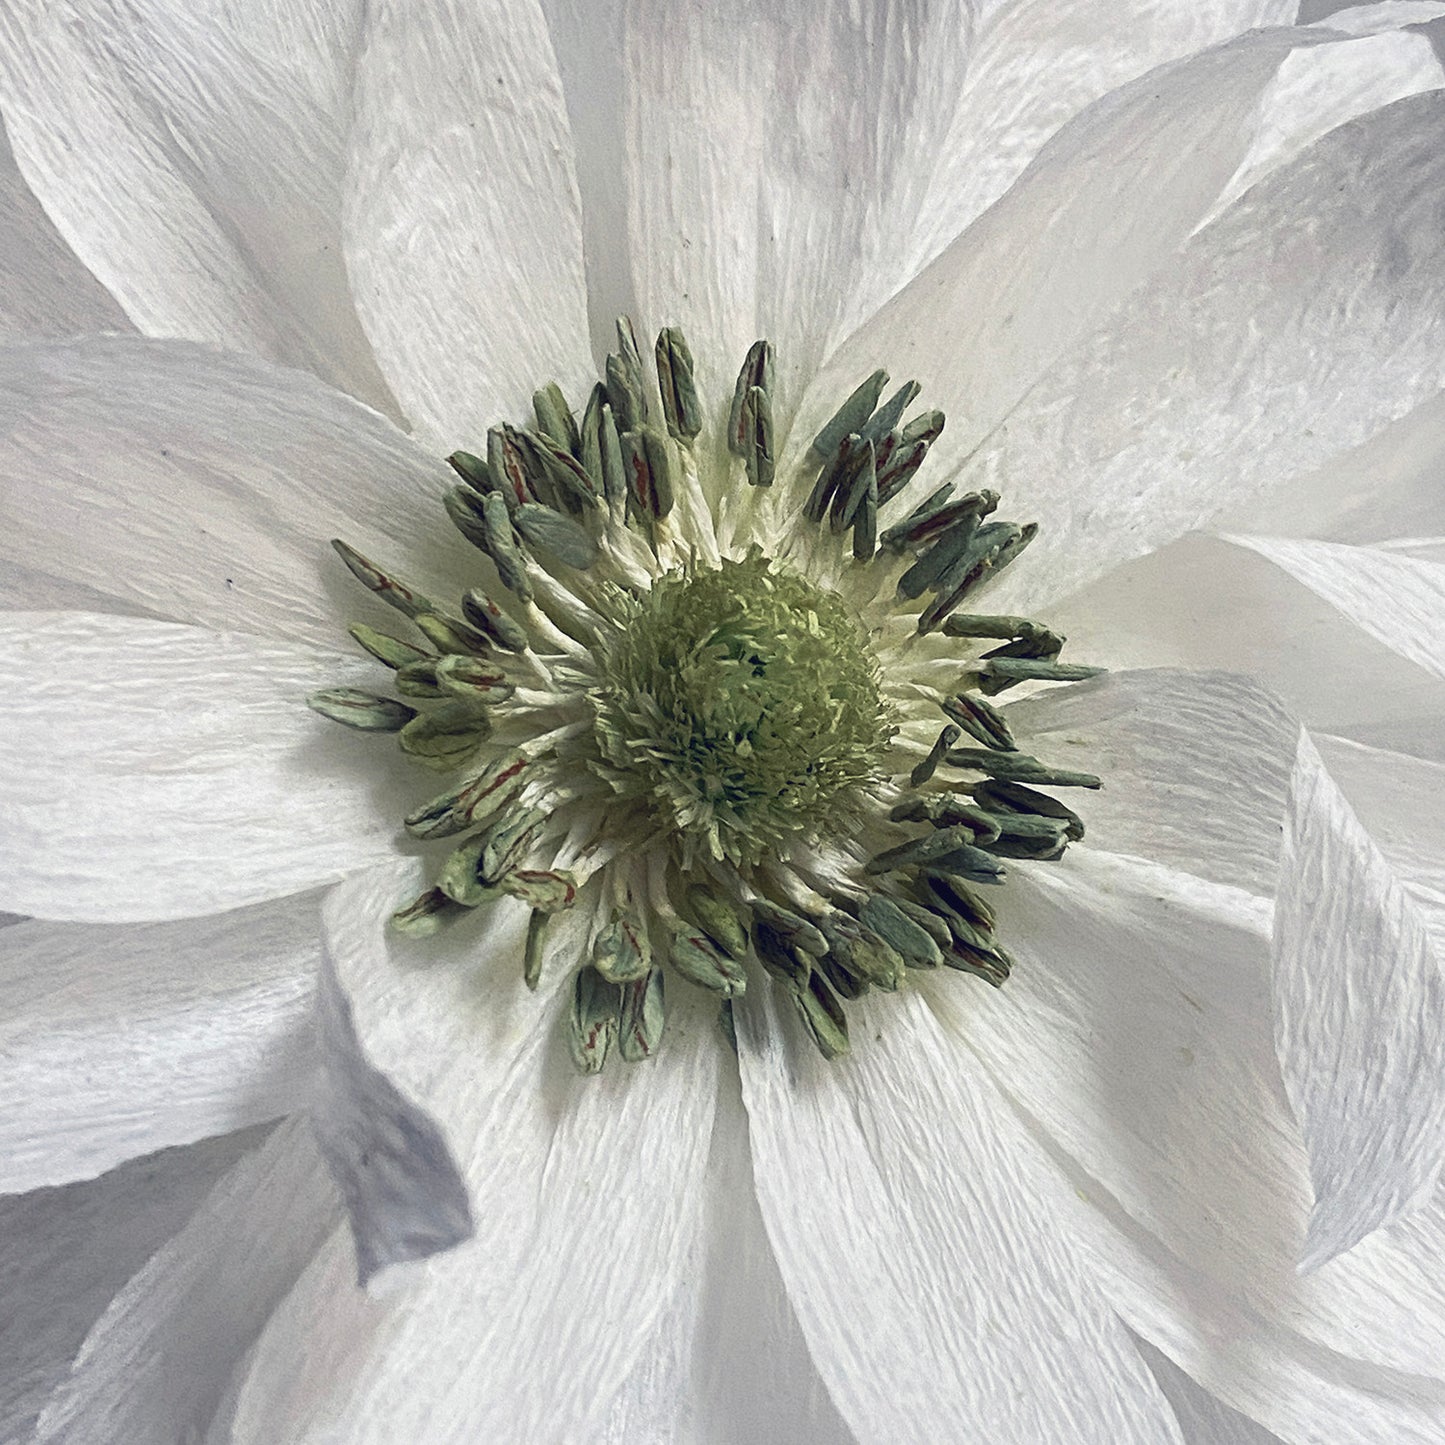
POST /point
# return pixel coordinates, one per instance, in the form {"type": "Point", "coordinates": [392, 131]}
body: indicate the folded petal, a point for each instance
{"type": "Point", "coordinates": [194, 161]}
{"type": "Point", "coordinates": [155, 1363]}
{"type": "Point", "coordinates": [462, 229]}
{"type": "Point", "coordinates": [1202, 1419]}
{"type": "Point", "coordinates": [150, 771]}
{"type": "Point", "coordinates": [1195, 766]}
{"type": "Point", "coordinates": [202, 487]}
{"type": "Point", "coordinates": [120, 1040]}
{"type": "Point", "coordinates": [917, 1247]}
{"type": "Point", "coordinates": [1359, 1004]}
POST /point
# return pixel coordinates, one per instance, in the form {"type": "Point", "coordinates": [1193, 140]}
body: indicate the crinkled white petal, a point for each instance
{"type": "Point", "coordinates": [170, 479]}
{"type": "Point", "coordinates": [461, 218]}
{"type": "Point", "coordinates": [916, 1242]}
{"type": "Point", "coordinates": [116, 1041]}
{"type": "Point", "coordinates": [155, 1363]}
{"type": "Point", "coordinates": [1359, 1003]}
{"type": "Point", "coordinates": [65, 1253]}
{"type": "Point", "coordinates": [1202, 1419]}
{"type": "Point", "coordinates": [193, 157]}
{"type": "Point", "coordinates": [151, 771]}
{"type": "Point", "coordinates": [1383, 15]}
{"type": "Point", "coordinates": [1195, 766]}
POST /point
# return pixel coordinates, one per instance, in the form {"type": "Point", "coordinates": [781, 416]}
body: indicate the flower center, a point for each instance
{"type": "Point", "coordinates": [742, 704]}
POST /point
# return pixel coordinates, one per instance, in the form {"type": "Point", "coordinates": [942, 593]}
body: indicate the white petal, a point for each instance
{"type": "Point", "coordinates": [44, 288]}
{"type": "Point", "coordinates": [916, 1244]}
{"type": "Point", "coordinates": [463, 237]}
{"type": "Point", "coordinates": [118, 1041]}
{"type": "Point", "coordinates": [1372, 19]}
{"type": "Point", "coordinates": [204, 488]}
{"type": "Point", "coordinates": [151, 771]}
{"type": "Point", "coordinates": [65, 1253]}
{"type": "Point", "coordinates": [1202, 1419]}
{"type": "Point", "coordinates": [1359, 1011]}
{"type": "Point", "coordinates": [1398, 600]}
{"type": "Point", "coordinates": [193, 158]}
{"type": "Point", "coordinates": [156, 1361]}
{"type": "Point", "coordinates": [1195, 766]}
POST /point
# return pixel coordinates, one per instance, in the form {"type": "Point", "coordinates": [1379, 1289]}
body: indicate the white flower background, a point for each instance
{"type": "Point", "coordinates": [1177, 274]}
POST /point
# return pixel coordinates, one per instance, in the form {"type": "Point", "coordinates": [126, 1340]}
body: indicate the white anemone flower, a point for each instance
{"type": "Point", "coordinates": [1176, 273]}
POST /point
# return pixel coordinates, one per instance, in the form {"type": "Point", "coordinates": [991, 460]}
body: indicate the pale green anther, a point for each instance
{"type": "Point", "coordinates": [589, 451]}
{"type": "Point", "coordinates": [446, 737]}
{"type": "Point", "coordinates": [982, 561]}
{"type": "Point", "coordinates": [823, 1016]}
{"type": "Point", "coordinates": [965, 624]}
{"type": "Point", "coordinates": [565, 475]}
{"type": "Point", "coordinates": [887, 417]}
{"type": "Point", "coordinates": [865, 524]}
{"type": "Point", "coordinates": [383, 584]}
{"type": "Point", "coordinates": [900, 537]}
{"type": "Point", "coordinates": [641, 1017]}
{"type": "Point", "coordinates": [842, 977]}
{"type": "Point", "coordinates": [1015, 798]}
{"type": "Point", "coordinates": [534, 947]}
{"type": "Point", "coordinates": [477, 800]}
{"type": "Point", "coordinates": [956, 901]}
{"type": "Point", "coordinates": [718, 920]}
{"type": "Point", "coordinates": [680, 406]}
{"type": "Point", "coordinates": [624, 382]}
{"type": "Point", "coordinates": [554, 418]}
{"type": "Point", "coordinates": [852, 415]}
{"type": "Point", "coordinates": [863, 953]}
{"type": "Point", "coordinates": [1022, 669]}
{"type": "Point", "coordinates": [426, 915]}
{"type": "Point", "coordinates": [419, 679]}
{"type": "Point", "coordinates": [942, 811]}
{"type": "Point", "coordinates": [756, 427]}
{"type": "Point", "coordinates": [899, 471]}
{"type": "Point", "coordinates": [460, 878]}
{"type": "Point", "coordinates": [922, 851]}
{"type": "Point", "coordinates": [927, 426]}
{"type": "Point", "coordinates": [1010, 550]}
{"type": "Point", "coordinates": [924, 770]}
{"type": "Point", "coordinates": [900, 932]}
{"type": "Point", "coordinates": [488, 618]}
{"type": "Point", "coordinates": [614, 469]}
{"type": "Point", "coordinates": [981, 721]}
{"type": "Point", "coordinates": [506, 841]}
{"type": "Point", "coordinates": [699, 960]}
{"type": "Point", "coordinates": [779, 956]}
{"type": "Point", "coordinates": [508, 466]}
{"type": "Point", "coordinates": [450, 634]}
{"type": "Point", "coordinates": [991, 963]}
{"type": "Point", "coordinates": [550, 531]}
{"type": "Point", "coordinates": [966, 861]}
{"type": "Point", "coordinates": [864, 476]}
{"type": "Point", "coordinates": [592, 1020]}
{"type": "Point", "coordinates": [940, 558]}
{"type": "Point", "coordinates": [364, 711]}
{"type": "Point", "coordinates": [464, 507]}
{"type": "Point", "coordinates": [757, 370]}
{"type": "Point", "coordinates": [390, 650]}
{"type": "Point", "coordinates": [1019, 768]}
{"type": "Point", "coordinates": [792, 927]}
{"type": "Point", "coordinates": [502, 549]}
{"type": "Point", "coordinates": [547, 890]}
{"type": "Point", "coordinates": [622, 951]}
{"type": "Point", "coordinates": [473, 679]}
{"type": "Point", "coordinates": [474, 471]}
{"type": "Point", "coordinates": [1027, 835]}
{"type": "Point", "coordinates": [835, 477]}
{"type": "Point", "coordinates": [926, 919]}
{"type": "Point", "coordinates": [648, 472]}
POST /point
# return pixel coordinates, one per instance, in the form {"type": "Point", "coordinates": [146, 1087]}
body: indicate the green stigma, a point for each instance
{"type": "Point", "coordinates": [741, 704]}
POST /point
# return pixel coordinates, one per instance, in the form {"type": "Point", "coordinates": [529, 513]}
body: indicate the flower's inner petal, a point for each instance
{"type": "Point", "coordinates": [193, 158]}
{"type": "Point", "coordinates": [120, 1040]}
{"type": "Point", "coordinates": [461, 218]}
{"type": "Point", "coordinates": [1202, 1419]}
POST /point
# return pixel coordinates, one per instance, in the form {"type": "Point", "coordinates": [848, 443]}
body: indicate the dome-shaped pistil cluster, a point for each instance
{"type": "Point", "coordinates": [725, 756]}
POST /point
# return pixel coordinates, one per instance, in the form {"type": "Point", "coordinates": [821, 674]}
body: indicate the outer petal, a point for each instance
{"type": "Point", "coordinates": [916, 1246]}
{"type": "Point", "coordinates": [154, 1365]}
{"type": "Point", "coordinates": [1202, 1419]}
{"type": "Point", "coordinates": [193, 158]}
{"type": "Point", "coordinates": [117, 1041]}
{"type": "Point", "coordinates": [150, 771]}
{"type": "Point", "coordinates": [463, 236]}
{"type": "Point", "coordinates": [1359, 1012]}
{"type": "Point", "coordinates": [166, 478]}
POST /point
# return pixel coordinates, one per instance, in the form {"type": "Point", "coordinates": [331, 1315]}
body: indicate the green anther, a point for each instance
{"type": "Point", "coordinates": [625, 393]}
{"type": "Point", "coordinates": [981, 721]}
{"type": "Point", "coordinates": [757, 371]}
{"type": "Point", "coordinates": [498, 626]}
{"type": "Point", "coordinates": [1042, 848]}
{"type": "Point", "coordinates": [852, 415]}
{"type": "Point", "coordinates": [887, 417]}
{"type": "Point", "coordinates": [842, 978]}
{"type": "Point", "coordinates": [1026, 669]}
{"type": "Point", "coordinates": [364, 711]}
{"type": "Point", "coordinates": [699, 960]}
{"type": "Point", "coordinates": [533, 949]}
{"type": "Point", "coordinates": [464, 507]}
{"type": "Point", "coordinates": [940, 559]}
{"type": "Point", "coordinates": [507, 840]}
{"type": "Point", "coordinates": [503, 551]}
{"type": "Point", "coordinates": [382, 583]}
{"type": "Point", "coordinates": [1015, 798]}
{"type": "Point", "coordinates": [473, 679]}
{"type": "Point", "coordinates": [419, 679]}
{"type": "Point", "coordinates": [649, 472]}
{"type": "Point", "coordinates": [862, 952]}
{"type": "Point", "coordinates": [446, 737]}
{"type": "Point", "coordinates": [426, 915]}
{"type": "Point", "coordinates": [835, 480]}
{"type": "Point", "coordinates": [926, 427]}
{"type": "Point", "coordinates": [450, 634]}
{"type": "Point", "coordinates": [554, 418]}
{"type": "Point", "coordinates": [823, 1016]}
{"type": "Point", "coordinates": [622, 951]}
{"type": "Point", "coordinates": [965, 624]}
{"type": "Point", "coordinates": [550, 531]}
{"type": "Point", "coordinates": [641, 1017]}
{"type": "Point", "coordinates": [942, 811]}
{"type": "Point", "coordinates": [474, 471]}
{"type": "Point", "coordinates": [897, 539]}
{"type": "Point", "coordinates": [924, 770]}
{"type": "Point", "coordinates": [974, 864]}
{"type": "Point", "coordinates": [792, 927]}
{"type": "Point", "coordinates": [614, 469]}
{"type": "Point", "coordinates": [863, 479]}
{"type": "Point", "coordinates": [718, 921]}
{"type": "Point", "coordinates": [899, 470]}
{"type": "Point", "coordinates": [926, 919]}
{"type": "Point", "coordinates": [680, 406]}
{"type": "Point", "coordinates": [991, 964]}
{"type": "Point", "coordinates": [756, 428]}
{"type": "Point", "coordinates": [590, 449]}
{"type": "Point", "coordinates": [390, 650]}
{"type": "Point", "coordinates": [1019, 768]}
{"type": "Point", "coordinates": [566, 479]}
{"type": "Point", "coordinates": [865, 524]}
{"type": "Point", "coordinates": [547, 890]}
{"type": "Point", "coordinates": [921, 851]}
{"type": "Point", "coordinates": [592, 1020]}
{"type": "Point", "coordinates": [508, 464]}
{"type": "Point", "coordinates": [983, 560]}
{"type": "Point", "coordinates": [900, 932]}
{"type": "Point", "coordinates": [460, 877]}
{"type": "Point", "coordinates": [477, 800]}
{"type": "Point", "coordinates": [779, 956]}
{"type": "Point", "coordinates": [955, 901]}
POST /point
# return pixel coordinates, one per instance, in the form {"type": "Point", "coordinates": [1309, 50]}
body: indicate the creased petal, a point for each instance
{"type": "Point", "coordinates": [65, 1253]}
{"type": "Point", "coordinates": [117, 1041]}
{"type": "Point", "coordinates": [193, 158]}
{"type": "Point", "coordinates": [915, 1243]}
{"type": "Point", "coordinates": [150, 771]}
{"type": "Point", "coordinates": [463, 237]}
{"type": "Point", "coordinates": [155, 1364]}
{"type": "Point", "coordinates": [1359, 1011]}
{"type": "Point", "coordinates": [202, 487]}
{"type": "Point", "coordinates": [1398, 600]}
{"type": "Point", "coordinates": [1195, 766]}
{"type": "Point", "coordinates": [1202, 1419]}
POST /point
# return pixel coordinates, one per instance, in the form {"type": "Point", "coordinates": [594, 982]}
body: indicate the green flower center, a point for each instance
{"type": "Point", "coordinates": [742, 705]}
